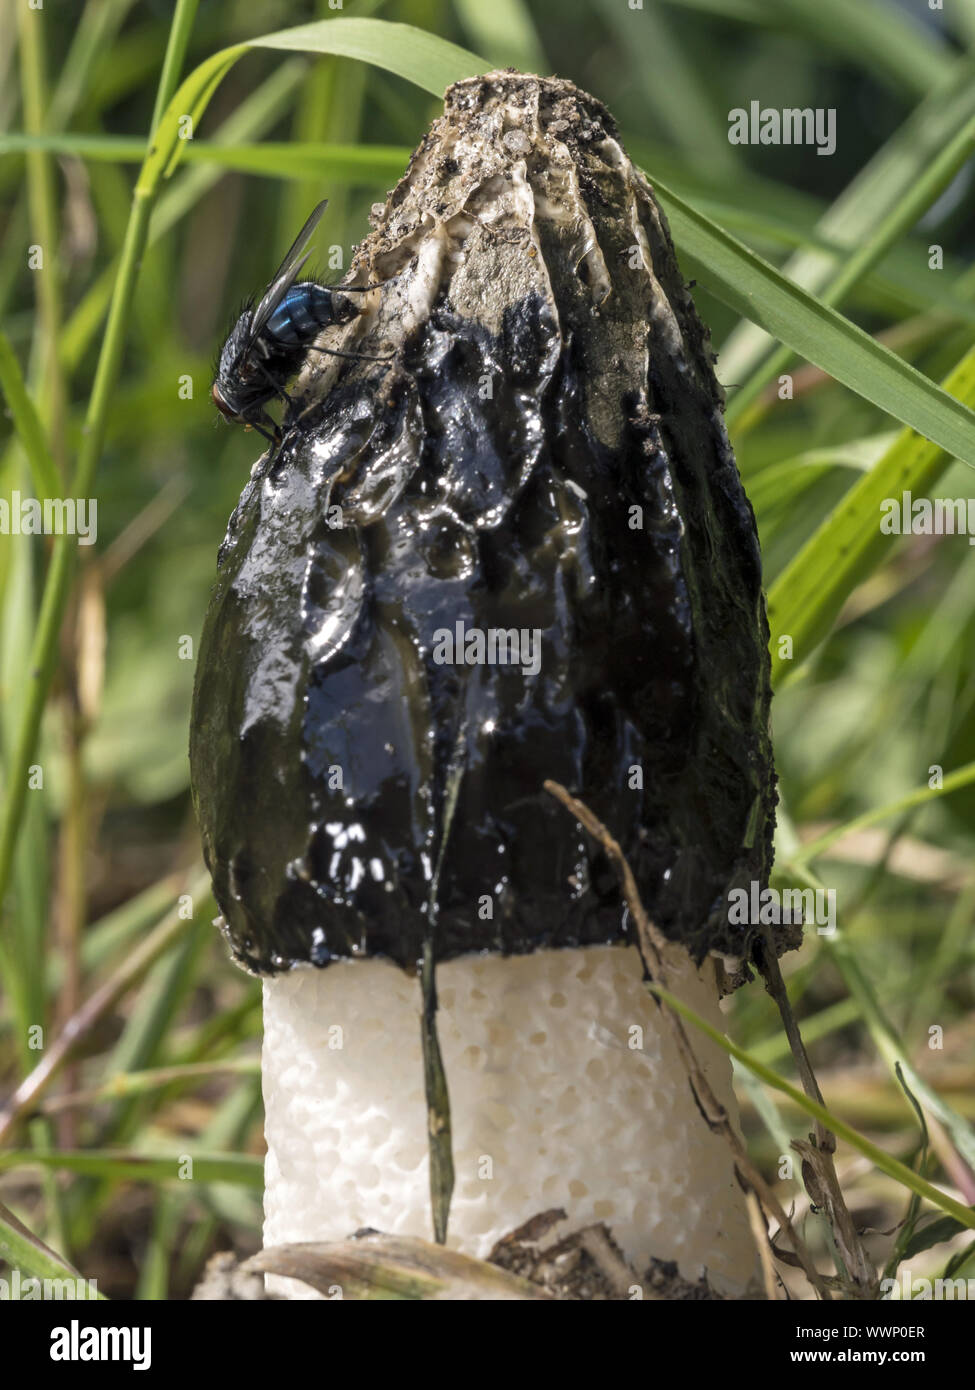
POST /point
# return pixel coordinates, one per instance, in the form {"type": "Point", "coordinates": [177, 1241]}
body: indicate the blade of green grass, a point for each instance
{"type": "Point", "coordinates": [22, 1250]}
{"type": "Point", "coordinates": [761, 209]}
{"type": "Point", "coordinates": [128, 973]}
{"type": "Point", "coordinates": [504, 32]}
{"type": "Point", "coordinates": [411, 53]}
{"type": "Point", "coordinates": [818, 1025]}
{"type": "Point", "coordinates": [256, 114]}
{"type": "Point", "coordinates": [884, 1161]}
{"type": "Point", "coordinates": [745, 11]}
{"type": "Point", "coordinates": [962, 20]}
{"type": "Point", "coordinates": [875, 36]}
{"type": "Point", "coordinates": [179, 37]}
{"type": "Point", "coordinates": [63, 559]}
{"type": "Point", "coordinates": [778, 484]}
{"type": "Point", "coordinates": [133, 918]}
{"type": "Point", "coordinates": [272, 158]}
{"type": "Point", "coordinates": [873, 195]}
{"type": "Point", "coordinates": [330, 107]}
{"type": "Point", "coordinates": [47, 381]}
{"type": "Point", "coordinates": [742, 188]}
{"type": "Point", "coordinates": [904, 1239]}
{"type": "Point", "coordinates": [217, 1035]}
{"type": "Point", "coordinates": [123, 1085]}
{"type": "Point", "coordinates": [756, 289]}
{"type": "Point", "coordinates": [922, 195]}
{"type": "Point", "coordinates": [22, 963]}
{"type": "Point", "coordinates": [47, 378]}
{"type": "Point", "coordinates": [937, 968]}
{"type": "Point", "coordinates": [227, 1130]}
{"type": "Point", "coordinates": [920, 796]}
{"type": "Point", "coordinates": [840, 953]}
{"type": "Point", "coordinates": [424, 59]}
{"type": "Point", "coordinates": [806, 599]}
{"type": "Point", "coordinates": [44, 473]}
{"type": "Point", "coordinates": [160, 996]}
{"type": "Point", "coordinates": [683, 105]}
{"type": "Point", "coordinates": [364, 164]}
{"type": "Point", "coordinates": [93, 35]}
{"type": "Point", "coordinates": [182, 1166]}
{"type": "Point", "coordinates": [765, 1108]}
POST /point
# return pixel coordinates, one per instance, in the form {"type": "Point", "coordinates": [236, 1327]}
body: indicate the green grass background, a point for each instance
{"type": "Point", "coordinates": [147, 255]}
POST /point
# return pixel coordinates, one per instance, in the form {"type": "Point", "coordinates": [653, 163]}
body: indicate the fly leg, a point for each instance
{"type": "Point", "coordinates": [352, 356]}
{"type": "Point", "coordinates": [276, 386]}
{"type": "Point", "coordinates": [273, 439]}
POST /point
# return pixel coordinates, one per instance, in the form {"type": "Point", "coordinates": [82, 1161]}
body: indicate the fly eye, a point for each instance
{"type": "Point", "coordinates": [220, 401]}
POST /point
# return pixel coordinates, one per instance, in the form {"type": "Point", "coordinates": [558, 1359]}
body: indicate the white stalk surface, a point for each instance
{"type": "Point", "coordinates": [566, 1091]}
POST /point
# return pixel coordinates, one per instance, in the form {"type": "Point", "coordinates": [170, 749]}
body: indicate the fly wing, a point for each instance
{"type": "Point", "coordinates": [287, 273]}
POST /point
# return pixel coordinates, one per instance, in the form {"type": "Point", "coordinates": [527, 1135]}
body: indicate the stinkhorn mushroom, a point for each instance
{"type": "Point", "coordinates": [513, 548]}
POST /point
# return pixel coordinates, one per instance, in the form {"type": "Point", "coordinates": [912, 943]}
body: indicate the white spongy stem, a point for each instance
{"type": "Point", "coordinates": [566, 1090]}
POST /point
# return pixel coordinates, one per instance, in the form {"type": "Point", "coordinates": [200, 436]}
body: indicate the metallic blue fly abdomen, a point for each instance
{"type": "Point", "coordinates": [302, 314]}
